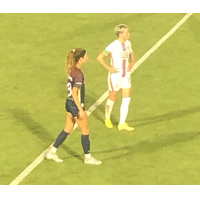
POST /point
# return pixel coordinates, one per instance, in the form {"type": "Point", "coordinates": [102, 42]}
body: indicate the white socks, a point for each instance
{"type": "Point", "coordinates": [124, 109]}
{"type": "Point", "coordinates": [53, 149]}
{"type": "Point", "coordinates": [88, 155]}
{"type": "Point", "coordinates": [108, 109]}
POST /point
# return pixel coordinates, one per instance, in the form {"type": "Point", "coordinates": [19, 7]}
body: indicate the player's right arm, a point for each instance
{"type": "Point", "coordinates": [105, 53]}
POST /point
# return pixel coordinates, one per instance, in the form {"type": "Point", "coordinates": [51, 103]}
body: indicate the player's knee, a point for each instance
{"type": "Point", "coordinates": [85, 131]}
{"type": "Point", "coordinates": [70, 130]}
{"type": "Point", "coordinates": [112, 99]}
{"type": "Point", "coordinates": [67, 130]}
{"type": "Point", "coordinates": [126, 93]}
{"type": "Point", "coordinates": [113, 96]}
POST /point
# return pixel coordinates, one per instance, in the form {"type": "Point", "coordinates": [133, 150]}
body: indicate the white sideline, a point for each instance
{"type": "Point", "coordinates": [40, 158]}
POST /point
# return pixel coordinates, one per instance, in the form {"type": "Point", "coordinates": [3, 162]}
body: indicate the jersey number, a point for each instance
{"type": "Point", "coordinates": [69, 88]}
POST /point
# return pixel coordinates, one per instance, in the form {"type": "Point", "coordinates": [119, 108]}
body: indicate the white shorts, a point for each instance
{"type": "Point", "coordinates": [117, 82]}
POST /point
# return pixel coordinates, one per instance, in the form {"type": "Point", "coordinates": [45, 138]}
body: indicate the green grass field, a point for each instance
{"type": "Point", "coordinates": [165, 107]}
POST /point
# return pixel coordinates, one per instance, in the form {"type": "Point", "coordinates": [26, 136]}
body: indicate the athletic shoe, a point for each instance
{"type": "Point", "coordinates": [92, 161]}
{"type": "Point", "coordinates": [53, 156]}
{"type": "Point", "coordinates": [108, 123]}
{"type": "Point", "coordinates": [125, 126]}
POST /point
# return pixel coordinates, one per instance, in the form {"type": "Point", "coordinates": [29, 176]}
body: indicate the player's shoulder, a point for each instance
{"type": "Point", "coordinates": [114, 42]}
{"type": "Point", "coordinates": [128, 42]}
{"type": "Point", "coordinates": [76, 72]}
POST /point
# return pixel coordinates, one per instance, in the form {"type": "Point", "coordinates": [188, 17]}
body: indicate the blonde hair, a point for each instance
{"type": "Point", "coordinates": [72, 58]}
{"type": "Point", "coordinates": [120, 29]}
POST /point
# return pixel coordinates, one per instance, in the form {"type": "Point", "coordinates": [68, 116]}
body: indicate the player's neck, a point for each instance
{"type": "Point", "coordinates": [121, 40]}
{"type": "Point", "coordinates": [78, 65]}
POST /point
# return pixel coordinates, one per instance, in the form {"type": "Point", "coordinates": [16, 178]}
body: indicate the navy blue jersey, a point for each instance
{"type": "Point", "coordinates": [76, 79]}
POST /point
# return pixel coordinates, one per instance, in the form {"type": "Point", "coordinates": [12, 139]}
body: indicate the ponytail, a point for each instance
{"type": "Point", "coordinates": [72, 58]}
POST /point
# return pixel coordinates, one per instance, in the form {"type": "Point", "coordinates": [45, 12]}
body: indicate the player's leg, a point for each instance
{"type": "Point", "coordinates": [113, 87]}
{"type": "Point", "coordinates": [61, 138]}
{"type": "Point", "coordinates": [66, 131]}
{"type": "Point", "coordinates": [126, 97]}
{"type": "Point", "coordinates": [83, 124]}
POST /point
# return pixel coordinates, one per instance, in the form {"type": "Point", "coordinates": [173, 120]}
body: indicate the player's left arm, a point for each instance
{"type": "Point", "coordinates": [131, 57]}
{"type": "Point", "coordinates": [132, 61]}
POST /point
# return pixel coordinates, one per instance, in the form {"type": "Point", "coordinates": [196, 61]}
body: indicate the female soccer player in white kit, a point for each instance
{"type": "Point", "coordinates": [120, 52]}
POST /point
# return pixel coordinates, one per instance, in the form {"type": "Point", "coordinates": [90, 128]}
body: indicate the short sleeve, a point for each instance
{"type": "Point", "coordinates": [109, 49]}
{"type": "Point", "coordinates": [131, 50]}
{"type": "Point", "coordinates": [78, 79]}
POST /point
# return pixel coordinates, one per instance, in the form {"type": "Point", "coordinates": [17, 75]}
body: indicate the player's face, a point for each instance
{"type": "Point", "coordinates": [125, 35]}
{"type": "Point", "coordinates": [85, 58]}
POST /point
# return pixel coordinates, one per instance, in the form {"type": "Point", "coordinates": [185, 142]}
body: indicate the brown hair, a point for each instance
{"type": "Point", "coordinates": [72, 58]}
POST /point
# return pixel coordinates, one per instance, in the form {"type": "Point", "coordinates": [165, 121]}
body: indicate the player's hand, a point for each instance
{"type": "Point", "coordinates": [113, 70]}
{"type": "Point", "coordinates": [82, 114]}
{"type": "Point", "coordinates": [130, 67]}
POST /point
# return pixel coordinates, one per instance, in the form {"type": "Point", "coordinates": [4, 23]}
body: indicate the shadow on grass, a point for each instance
{"type": "Point", "coordinates": [144, 146]}
{"type": "Point", "coordinates": [38, 130]}
{"type": "Point", "coordinates": [99, 113]}
{"type": "Point", "coordinates": [158, 143]}
{"type": "Point", "coordinates": [166, 117]}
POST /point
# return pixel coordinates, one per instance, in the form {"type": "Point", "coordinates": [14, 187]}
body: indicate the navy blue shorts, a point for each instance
{"type": "Point", "coordinates": [71, 107]}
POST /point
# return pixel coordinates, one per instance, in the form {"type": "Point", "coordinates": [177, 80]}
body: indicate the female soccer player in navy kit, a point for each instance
{"type": "Point", "coordinates": [75, 107]}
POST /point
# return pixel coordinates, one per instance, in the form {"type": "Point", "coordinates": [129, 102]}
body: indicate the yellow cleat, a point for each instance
{"type": "Point", "coordinates": [126, 127]}
{"type": "Point", "coordinates": [108, 123]}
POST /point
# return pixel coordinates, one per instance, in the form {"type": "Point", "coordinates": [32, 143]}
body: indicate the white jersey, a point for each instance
{"type": "Point", "coordinates": [119, 54]}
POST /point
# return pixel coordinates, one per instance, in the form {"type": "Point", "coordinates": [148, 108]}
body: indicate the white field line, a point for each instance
{"type": "Point", "coordinates": [40, 158]}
